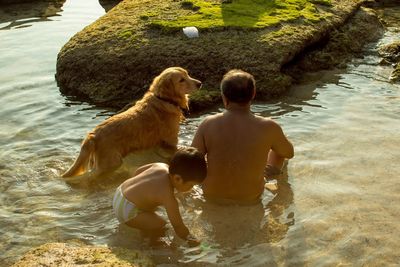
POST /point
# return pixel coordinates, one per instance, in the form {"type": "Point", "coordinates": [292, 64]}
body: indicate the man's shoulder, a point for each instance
{"type": "Point", "coordinates": [265, 121]}
{"type": "Point", "coordinates": [215, 116]}
{"type": "Point", "coordinates": [212, 118]}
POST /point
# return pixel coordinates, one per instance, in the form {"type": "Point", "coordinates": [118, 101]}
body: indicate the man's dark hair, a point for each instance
{"type": "Point", "coordinates": [238, 86]}
{"type": "Point", "coordinates": [190, 164]}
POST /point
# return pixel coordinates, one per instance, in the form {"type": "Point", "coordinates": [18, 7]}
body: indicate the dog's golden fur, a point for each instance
{"type": "Point", "coordinates": [152, 121]}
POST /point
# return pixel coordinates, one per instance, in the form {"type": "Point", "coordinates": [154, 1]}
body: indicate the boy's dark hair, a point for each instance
{"type": "Point", "coordinates": [190, 164]}
{"type": "Point", "coordinates": [238, 86]}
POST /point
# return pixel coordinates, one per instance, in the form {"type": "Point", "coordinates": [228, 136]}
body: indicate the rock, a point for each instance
{"type": "Point", "coordinates": [390, 52]}
{"type": "Point", "coordinates": [381, 3]}
{"type": "Point", "coordinates": [395, 76]}
{"type": "Point", "coordinates": [340, 45]}
{"type": "Point", "coordinates": [15, 12]}
{"type": "Point", "coordinates": [113, 61]}
{"type": "Point", "coordinates": [391, 56]}
{"type": "Point", "coordinates": [8, 2]}
{"type": "Point", "coordinates": [78, 254]}
{"type": "Point", "coordinates": [109, 4]}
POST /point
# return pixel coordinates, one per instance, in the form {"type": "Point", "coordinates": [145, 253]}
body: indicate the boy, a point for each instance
{"type": "Point", "coordinates": [153, 185]}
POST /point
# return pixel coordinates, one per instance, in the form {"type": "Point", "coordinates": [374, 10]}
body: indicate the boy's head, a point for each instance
{"type": "Point", "coordinates": [187, 167]}
{"type": "Point", "coordinates": [238, 86]}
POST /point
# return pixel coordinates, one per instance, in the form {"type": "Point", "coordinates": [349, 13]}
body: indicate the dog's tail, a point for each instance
{"type": "Point", "coordinates": [85, 158]}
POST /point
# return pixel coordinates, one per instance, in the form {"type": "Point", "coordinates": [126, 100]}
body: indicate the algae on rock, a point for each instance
{"type": "Point", "coordinates": [78, 254]}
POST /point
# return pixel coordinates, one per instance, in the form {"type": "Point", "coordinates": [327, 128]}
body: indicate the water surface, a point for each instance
{"type": "Point", "coordinates": [337, 202]}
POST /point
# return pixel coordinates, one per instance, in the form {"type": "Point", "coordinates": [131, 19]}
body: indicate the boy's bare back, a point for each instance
{"type": "Point", "coordinates": [150, 187]}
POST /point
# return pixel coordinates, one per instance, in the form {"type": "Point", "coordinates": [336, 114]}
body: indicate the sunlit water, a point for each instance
{"type": "Point", "coordinates": [337, 204]}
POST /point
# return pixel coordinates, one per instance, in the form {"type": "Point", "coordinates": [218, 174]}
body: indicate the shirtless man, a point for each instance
{"type": "Point", "coordinates": [239, 144]}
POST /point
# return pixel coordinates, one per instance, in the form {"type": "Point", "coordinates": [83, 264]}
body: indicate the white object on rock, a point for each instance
{"type": "Point", "coordinates": [191, 32]}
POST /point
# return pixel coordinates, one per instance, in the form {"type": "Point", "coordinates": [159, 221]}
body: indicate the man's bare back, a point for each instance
{"type": "Point", "coordinates": [238, 145]}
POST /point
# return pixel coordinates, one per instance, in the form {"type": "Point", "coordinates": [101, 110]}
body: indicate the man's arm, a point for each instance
{"type": "Point", "coordinates": [198, 139]}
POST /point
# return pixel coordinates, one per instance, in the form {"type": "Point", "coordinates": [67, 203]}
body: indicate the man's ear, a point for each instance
{"type": "Point", "coordinates": [224, 100]}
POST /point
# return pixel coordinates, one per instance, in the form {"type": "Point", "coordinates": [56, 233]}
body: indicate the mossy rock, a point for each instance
{"type": "Point", "coordinates": [113, 61]}
{"type": "Point", "coordinates": [340, 46]}
{"type": "Point", "coordinates": [78, 254]}
{"type": "Point", "coordinates": [390, 52]}
{"type": "Point", "coordinates": [391, 56]}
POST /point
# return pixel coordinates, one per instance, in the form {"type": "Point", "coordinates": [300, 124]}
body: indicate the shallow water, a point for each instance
{"type": "Point", "coordinates": [337, 203]}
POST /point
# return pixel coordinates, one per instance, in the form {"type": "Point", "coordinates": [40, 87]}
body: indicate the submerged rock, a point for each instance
{"type": "Point", "coordinates": [113, 61]}
{"type": "Point", "coordinates": [391, 55]}
{"type": "Point", "coordinates": [77, 254]}
{"type": "Point", "coordinates": [390, 52]}
{"type": "Point", "coordinates": [395, 75]}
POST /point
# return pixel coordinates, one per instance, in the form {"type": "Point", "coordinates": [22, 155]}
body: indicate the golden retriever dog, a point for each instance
{"type": "Point", "coordinates": [152, 121]}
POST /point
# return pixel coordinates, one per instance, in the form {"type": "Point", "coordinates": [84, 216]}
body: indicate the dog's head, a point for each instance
{"type": "Point", "coordinates": [174, 84]}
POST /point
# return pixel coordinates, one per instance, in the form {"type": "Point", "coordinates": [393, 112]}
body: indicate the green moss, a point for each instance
{"type": "Point", "coordinates": [125, 34]}
{"type": "Point", "coordinates": [129, 35]}
{"type": "Point", "coordinates": [205, 94]}
{"type": "Point", "coordinates": [240, 13]}
{"type": "Point", "coordinates": [147, 15]}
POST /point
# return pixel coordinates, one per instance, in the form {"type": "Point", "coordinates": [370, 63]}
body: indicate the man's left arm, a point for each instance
{"type": "Point", "coordinates": [198, 140]}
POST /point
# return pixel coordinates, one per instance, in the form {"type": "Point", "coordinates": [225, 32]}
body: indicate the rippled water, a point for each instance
{"type": "Point", "coordinates": [337, 203]}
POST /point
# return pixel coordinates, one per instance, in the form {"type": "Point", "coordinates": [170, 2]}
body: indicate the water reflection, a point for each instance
{"type": "Point", "coordinates": [227, 230]}
{"type": "Point", "coordinates": [22, 15]}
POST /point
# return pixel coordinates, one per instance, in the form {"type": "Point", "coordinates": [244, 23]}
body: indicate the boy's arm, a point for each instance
{"type": "Point", "coordinates": [172, 207]}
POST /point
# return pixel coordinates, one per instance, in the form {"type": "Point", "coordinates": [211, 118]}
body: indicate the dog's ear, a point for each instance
{"type": "Point", "coordinates": [165, 87]}
{"type": "Point", "coordinates": [161, 83]}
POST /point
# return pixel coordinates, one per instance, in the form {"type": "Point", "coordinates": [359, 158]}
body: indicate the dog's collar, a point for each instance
{"type": "Point", "coordinates": [170, 101]}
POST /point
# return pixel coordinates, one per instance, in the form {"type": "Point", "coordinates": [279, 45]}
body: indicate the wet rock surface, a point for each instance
{"type": "Point", "coordinates": [78, 254]}
{"type": "Point", "coordinates": [390, 53]}
{"type": "Point", "coordinates": [18, 13]}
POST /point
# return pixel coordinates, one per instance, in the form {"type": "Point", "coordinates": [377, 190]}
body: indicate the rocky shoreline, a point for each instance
{"type": "Point", "coordinates": [113, 61]}
{"type": "Point", "coordinates": [76, 253]}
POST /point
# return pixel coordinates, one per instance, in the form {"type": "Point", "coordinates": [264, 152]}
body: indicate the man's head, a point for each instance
{"type": "Point", "coordinates": [187, 168]}
{"type": "Point", "coordinates": [238, 86]}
